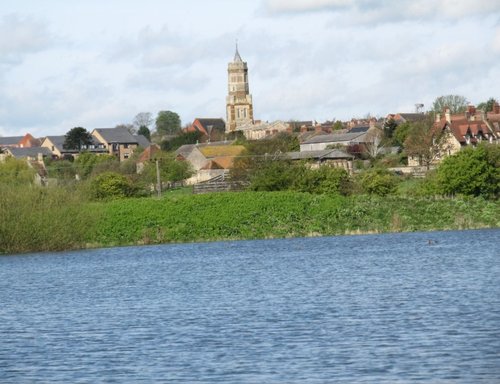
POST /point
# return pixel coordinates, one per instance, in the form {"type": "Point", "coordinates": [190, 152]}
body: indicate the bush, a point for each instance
{"type": "Point", "coordinates": [325, 179]}
{"type": "Point", "coordinates": [111, 185]}
{"type": "Point", "coordinates": [378, 181]}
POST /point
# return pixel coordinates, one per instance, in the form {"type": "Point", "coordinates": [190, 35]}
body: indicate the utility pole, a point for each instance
{"type": "Point", "coordinates": [158, 180]}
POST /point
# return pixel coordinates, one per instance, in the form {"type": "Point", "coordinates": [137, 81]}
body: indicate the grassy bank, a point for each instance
{"type": "Point", "coordinates": [252, 215]}
{"type": "Point", "coordinates": [55, 219]}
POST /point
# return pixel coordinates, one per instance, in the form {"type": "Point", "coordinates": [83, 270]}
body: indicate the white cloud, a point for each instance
{"type": "Point", "coordinates": [20, 36]}
{"type": "Point", "coordinates": [389, 10]}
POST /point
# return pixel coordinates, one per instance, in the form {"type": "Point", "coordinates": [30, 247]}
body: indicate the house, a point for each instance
{"type": "Point", "coordinates": [209, 160]}
{"type": "Point", "coordinates": [321, 142]}
{"type": "Point", "coordinates": [259, 130]}
{"type": "Point", "coordinates": [400, 118]}
{"type": "Point", "coordinates": [26, 141]}
{"type": "Point", "coordinates": [34, 157]}
{"type": "Point", "coordinates": [30, 153]}
{"type": "Point", "coordinates": [465, 129]}
{"type": "Point", "coordinates": [146, 156]}
{"type": "Point", "coordinates": [210, 129]}
{"type": "Point", "coordinates": [331, 157]}
{"type": "Point", "coordinates": [56, 145]}
{"type": "Point", "coordinates": [119, 141]}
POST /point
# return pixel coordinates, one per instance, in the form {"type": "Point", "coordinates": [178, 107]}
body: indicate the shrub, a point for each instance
{"type": "Point", "coordinates": [110, 185]}
{"type": "Point", "coordinates": [378, 181]}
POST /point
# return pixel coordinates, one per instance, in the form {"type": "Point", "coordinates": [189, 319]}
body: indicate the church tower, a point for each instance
{"type": "Point", "coordinates": [239, 108]}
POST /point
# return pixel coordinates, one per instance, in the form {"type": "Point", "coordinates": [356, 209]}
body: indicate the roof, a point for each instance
{"type": "Point", "coordinates": [359, 129]}
{"type": "Point", "coordinates": [148, 153]}
{"type": "Point", "coordinates": [10, 140]}
{"type": "Point", "coordinates": [237, 57]}
{"type": "Point", "coordinates": [219, 123]}
{"type": "Point", "coordinates": [412, 116]}
{"type": "Point", "coordinates": [29, 152]}
{"type": "Point", "coordinates": [334, 138]}
{"type": "Point", "coordinates": [142, 141]}
{"type": "Point", "coordinates": [116, 135]}
{"type": "Point", "coordinates": [210, 151]}
{"type": "Point", "coordinates": [185, 150]}
{"type": "Point", "coordinates": [324, 154]}
{"type": "Point", "coordinates": [58, 142]}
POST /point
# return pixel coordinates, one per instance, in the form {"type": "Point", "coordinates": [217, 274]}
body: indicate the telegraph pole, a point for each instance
{"type": "Point", "coordinates": [158, 180]}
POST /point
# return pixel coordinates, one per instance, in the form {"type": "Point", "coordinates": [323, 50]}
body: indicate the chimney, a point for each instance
{"type": "Point", "coordinates": [496, 108]}
{"type": "Point", "coordinates": [471, 109]}
{"type": "Point", "coordinates": [447, 114]}
{"type": "Point", "coordinates": [438, 117]}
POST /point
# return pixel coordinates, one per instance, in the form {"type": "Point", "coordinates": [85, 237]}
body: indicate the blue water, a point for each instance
{"type": "Point", "coordinates": [364, 309]}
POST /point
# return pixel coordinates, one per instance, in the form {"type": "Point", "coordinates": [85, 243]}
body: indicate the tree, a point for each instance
{"type": "Point", "coordinates": [401, 133]}
{"type": "Point", "coordinates": [425, 143]}
{"type": "Point", "coordinates": [338, 125]}
{"type": "Point", "coordinates": [390, 126]}
{"type": "Point", "coordinates": [144, 131]}
{"type": "Point", "coordinates": [171, 170]}
{"type": "Point", "coordinates": [472, 171]}
{"type": "Point", "coordinates": [373, 143]}
{"type": "Point", "coordinates": [143, 119]}
{"type": "Point", "coordinates": [128, 127]}
{"type": "Point", "coordinates": [168, 123]}
{"type": "Point", "coordinates": [456, 103]}
{"type": "Point", "coordinates": [87, 163]}
{"type": "Point", "coordinates": [181, 139]}
{"type": "Point", "coordinates": [487, 106]}
{"type": "Point", "coordinates": [76, 138]}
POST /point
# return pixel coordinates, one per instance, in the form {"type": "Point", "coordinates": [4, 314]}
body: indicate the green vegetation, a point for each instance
{"type": "Point", "coordinates": [43, 219]}
{"type": "Point", "coordinates": [284, 199]}
{"type": "Point", "coordinates": [252, 215]}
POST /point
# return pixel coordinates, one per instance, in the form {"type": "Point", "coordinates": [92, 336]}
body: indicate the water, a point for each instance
{"type": "Point", "coordinates": [365, 309]}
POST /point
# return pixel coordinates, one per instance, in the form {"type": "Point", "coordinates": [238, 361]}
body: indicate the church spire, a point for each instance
{"type": "Point", "coordinates": [237, 57]}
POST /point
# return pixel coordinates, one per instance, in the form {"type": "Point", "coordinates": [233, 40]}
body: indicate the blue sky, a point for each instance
{"type": "Point", "coordinates": [96, 63]}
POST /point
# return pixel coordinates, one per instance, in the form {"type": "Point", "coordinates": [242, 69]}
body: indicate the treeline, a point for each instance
{"type": "Point", "coordinates": [469, 172]}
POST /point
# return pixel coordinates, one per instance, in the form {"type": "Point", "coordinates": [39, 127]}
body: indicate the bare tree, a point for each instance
{"type": "Point", "coordinates": [374, 142]}
{"type": "Point", "coordinates": [426, 142]}
{"type": "Point", "coordinates": [143, 119]}
{"type": "Point", "coordinates": [129, 127]}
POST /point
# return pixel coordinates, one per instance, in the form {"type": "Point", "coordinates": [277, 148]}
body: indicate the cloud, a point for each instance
{"type": "Point", "coordinates": [20, 36]}
{"type": "Point", "coordinates": [388, 10]}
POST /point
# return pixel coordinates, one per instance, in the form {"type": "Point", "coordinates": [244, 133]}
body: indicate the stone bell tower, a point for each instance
{"type": "Point", "coordinates": [239, 108]}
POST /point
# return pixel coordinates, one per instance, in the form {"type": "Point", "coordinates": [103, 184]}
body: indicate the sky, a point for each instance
{"type": "Point", "coordinates": [98, 63]}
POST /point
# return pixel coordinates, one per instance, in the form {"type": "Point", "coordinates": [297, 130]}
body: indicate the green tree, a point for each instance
{"type": "Point", "coordinates": [144, 131]}
{"type": "Point", "coordinates": [470, 172]}
{"type": "Point", "coordinates": [181, 139]}
{"type": "Point", "coordinates": [171, 170]}
{"type": "Point", "coordinates": [168, 123]}
{"type": "Point", "coordinates": [401, 133]}
{"type": "Point", "coordinates": [456, 103]}
{"type": "Point", "coordinates": [487, 106]}
{"type": "Point", "coordinates": [76, 138]}
{"type": "Point", "coordinates": [87, 163]}
{"type": "Point", "coordinates": [338, 125]}
{"type": "Point", "coordinates": [390, 126]}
